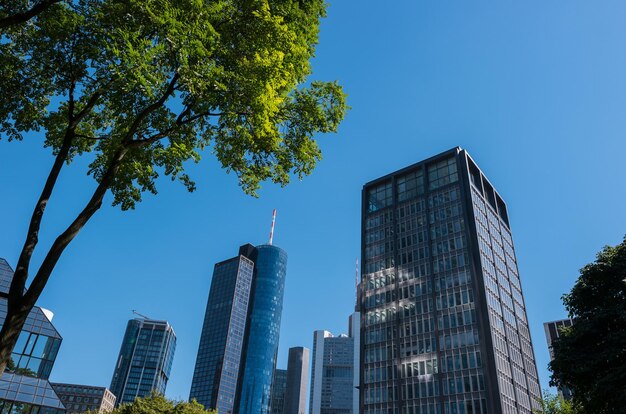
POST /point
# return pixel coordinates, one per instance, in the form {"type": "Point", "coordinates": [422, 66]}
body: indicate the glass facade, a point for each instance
{"type": "Point", "coordinates": [82, 398]}
{"type": "Point", "coordinates": [24, 388]}
{"type": "Point", "coordinates": [443, 327]}
{"type": "Point", "coordinates": [145, 360]}
{"type": "Point", "coordinates": [265, 312]}
{"type": "Point", "coordinates": [239, 342]}
{"type": "Point", "coordinates": [279, 390]}
{"type": "Point", "coordinates": [332, 375]}
{"type": "Point", "coordinates": [215, 375]}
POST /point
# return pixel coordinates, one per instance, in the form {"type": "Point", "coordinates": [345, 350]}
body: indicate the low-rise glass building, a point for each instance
{"type": "Point", "coordinates": [24, 386]}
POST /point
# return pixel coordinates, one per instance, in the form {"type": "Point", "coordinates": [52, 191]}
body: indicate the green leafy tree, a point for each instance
{"type": "Point", "coordinates": [158, 404]}
{"type": "Point", "coordinates": [144, 86]}
{"type": "Point", "coordinates": [590, 356]}
{"type": "Point", "coordinates": [555, 404]}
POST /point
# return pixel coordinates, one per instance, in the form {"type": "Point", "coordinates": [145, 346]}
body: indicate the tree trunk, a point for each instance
{"type": "Point", "coordinates": [11, 329]}
{"type": "Point", "coordinates": [20, 306]}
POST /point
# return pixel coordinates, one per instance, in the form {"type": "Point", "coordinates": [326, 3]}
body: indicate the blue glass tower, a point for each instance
{"type": "Point", "coordinates": [263, 330]}
{"type": "Point", "coordinates": [239, 341]}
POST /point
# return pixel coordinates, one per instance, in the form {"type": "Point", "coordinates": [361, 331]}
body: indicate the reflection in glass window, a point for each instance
{"type": "Point", "coordinates": [410, 185]}
{"type": "Point", "coordinates": [379, 197]}
{"type": "Point", "coordinates": [442, 173]}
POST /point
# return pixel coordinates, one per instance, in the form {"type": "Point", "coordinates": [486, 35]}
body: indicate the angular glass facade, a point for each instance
{"type": "Point", "coordinates": [443, 327]}
{"type": "Point", "coordinates": [239, 341]}
{"type": "Point", "coordinates": [145, 360]}
{"type": "Point", "coordinates": [24, 388]}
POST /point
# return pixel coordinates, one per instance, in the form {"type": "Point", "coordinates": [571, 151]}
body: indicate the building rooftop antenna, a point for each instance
{"type": "Point", "coordinates": [272, 229]}
{"type": "Point", "coordinates": [139, 314]}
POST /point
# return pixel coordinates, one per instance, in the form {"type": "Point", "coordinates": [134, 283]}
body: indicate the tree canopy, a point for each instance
{"type": "Point", "coordinates": [555, 404]}
{"type": "Point", "coordinates": [158, 404]}
{"type": "Point", "coordinates": [590, 356]}
{"type": "Point", "coordinates": [144, 86]}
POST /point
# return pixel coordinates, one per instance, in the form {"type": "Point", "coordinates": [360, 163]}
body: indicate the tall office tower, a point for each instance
{"type": "Point", "coordinates": [239, 341]}
{"type": "Point", "coordinates": [355, 333]}
{"type": "Point", "coordinates": [552, 330]}
{"type": "Point", "coordinates": [24, 386]}
{"type": "Point", "coordinates": [279, 390]}
{"type": "Point", "coordinates": [443, 320]}
{"type": "Point", "coordinates": [297, 380]}
{"type": "Point", "coordinates": [82, 398]}
{"type": "Point", "coordinates": [145, 360]}
{"type": "Point", "coordinates": [332, 374]}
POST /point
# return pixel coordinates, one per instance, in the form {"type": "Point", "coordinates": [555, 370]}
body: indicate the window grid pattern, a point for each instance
{"type": "Point", "coordinates": [421, 345]}
{"type": "Point", "coordinates": [221, 342]}
{"type": "Point", "coordinates": [28, 390]}
{"type": "Point", "coordinates": [422, 350]}
{"type": "Point", "coordinates": [514, 358]}
{"type": "Point", "coordinates": [263, 330]}
{"type": "Point", "coordinates": [24, 388]}
{"type": "Point", "coordinates": [81, 398]}
{"type": "Point", "coordinates": [145, 360]}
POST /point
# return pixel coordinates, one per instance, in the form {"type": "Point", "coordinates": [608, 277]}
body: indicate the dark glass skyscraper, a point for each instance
{"type": "Point", "coordinates": [443, 320]}
{"type": "Point", "coordinates": [239, 340]}
{"type": "Point", "coordinates": [218, 362]}
{"type": "Point", "coordinates": [24, 386]}
{"type": "Point", "coordinates": [279, 391]}
{"type": "Point", "coordinates": [145, 360]}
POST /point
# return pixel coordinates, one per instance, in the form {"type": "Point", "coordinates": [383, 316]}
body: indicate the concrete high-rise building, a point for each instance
{"type": "Point", "coordinates": [552, 330]}
{"type": "Point", "coordinates": [145, 360]}
{"type": "Point", "coordinates": [332, 374]}
{"type": "Point", "coordinates": [82, 398]}
{"type": "Point", "coordinates": [24, 386]}
{"type": "Point", "coordinates": [279, 390]}
{"type": "Point", "coordinates": [443, 320]}
{"type": "Point", "coordinates": [297, 380]}
{"type": "Point", "coordinates": [239, 341]}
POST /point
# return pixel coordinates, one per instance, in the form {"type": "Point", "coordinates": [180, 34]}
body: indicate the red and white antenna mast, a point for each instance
{"type": "Point", "coordinates": [272, 229]}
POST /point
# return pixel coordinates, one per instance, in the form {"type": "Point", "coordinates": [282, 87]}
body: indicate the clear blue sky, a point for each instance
{"type": "Point", "coordinates": [534, 90]}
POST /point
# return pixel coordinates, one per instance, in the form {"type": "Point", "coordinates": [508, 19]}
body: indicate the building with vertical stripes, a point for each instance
{"type": "Point", "coordinates": [145, 360]}
{"type": "Point", "coordinates": [443, 319]}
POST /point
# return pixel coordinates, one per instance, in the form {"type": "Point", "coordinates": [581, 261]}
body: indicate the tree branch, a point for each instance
{"type": "Point", "coordinates": [18, 18]}
{"type": "Point", "coordinates": [18, 284]}
{"type": "Point", "coordinates": [64, 239]}
{"type": "Point", "coordinates": [150, 108]}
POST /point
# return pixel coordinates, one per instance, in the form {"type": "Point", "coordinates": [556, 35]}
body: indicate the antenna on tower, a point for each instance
{"type": "Point", "coordinates": [272, 229]}
{"type": "Point", "coordinates": [139, 314]}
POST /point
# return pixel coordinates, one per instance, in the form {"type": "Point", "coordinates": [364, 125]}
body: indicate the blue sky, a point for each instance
{"type": "Point", "coordinates": [534, 90]}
